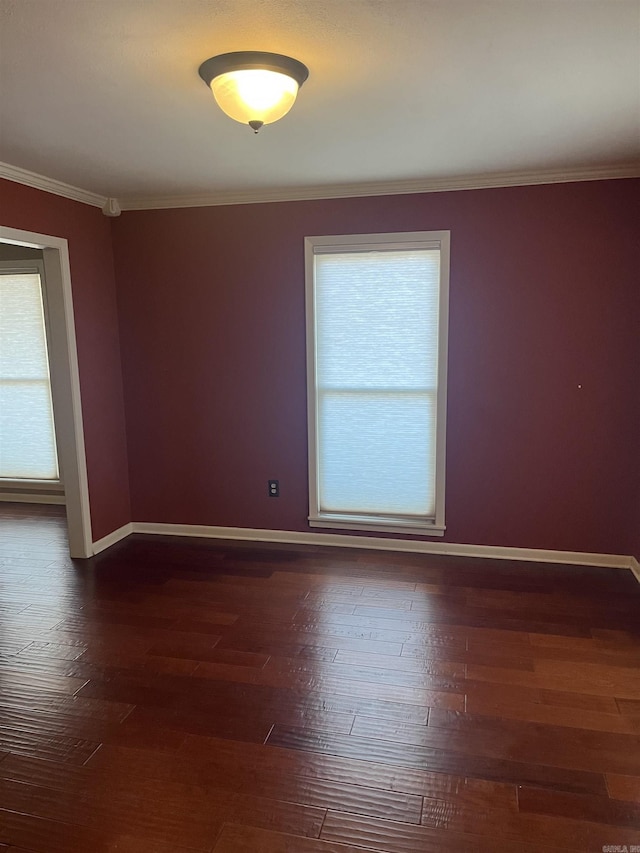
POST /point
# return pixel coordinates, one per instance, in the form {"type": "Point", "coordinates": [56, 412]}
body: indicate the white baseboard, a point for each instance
{"type": "Point", "coordinates": [113, 537]}
{"type": "Point", "coordinates": [290, 537]}
{"type": "Point", "coordinates": [338, 540]}
{"type": "Point", "coordinates": [32, 498]}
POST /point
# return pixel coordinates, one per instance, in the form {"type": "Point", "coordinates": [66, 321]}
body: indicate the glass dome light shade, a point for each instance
{"type": "Point", "coordinates": [253, 86]}
{"type": "Point", "coordinates": [254, 94]}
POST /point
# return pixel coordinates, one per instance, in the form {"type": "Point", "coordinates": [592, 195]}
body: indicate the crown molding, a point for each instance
{"type": "Point", "coordinates": [467, 182]}
{"type": "Point", "coordinates": [50, 185]}
{"type": "Point", "coordinates": [327, 191]}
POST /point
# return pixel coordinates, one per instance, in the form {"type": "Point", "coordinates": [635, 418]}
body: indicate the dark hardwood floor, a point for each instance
{"type": "Point", "coordinates": [174, 695]}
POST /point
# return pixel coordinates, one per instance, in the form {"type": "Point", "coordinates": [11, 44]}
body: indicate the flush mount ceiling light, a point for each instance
{"type": "Point", "coordinates": [254, 87]}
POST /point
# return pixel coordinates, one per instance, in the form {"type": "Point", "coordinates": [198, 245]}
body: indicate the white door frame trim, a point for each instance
{"type": "Point", "coordinates": [65, 381]}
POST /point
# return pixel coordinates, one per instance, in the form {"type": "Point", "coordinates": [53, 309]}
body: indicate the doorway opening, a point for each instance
{"type": "Point", "coordinates": [29, 467]}
{"type": "Point", "coordinates": [53, 255]}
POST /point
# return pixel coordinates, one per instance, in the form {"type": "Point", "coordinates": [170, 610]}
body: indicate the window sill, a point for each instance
{"type": "Point", "coordinates": [377, 525]}
{"type": "Point", "coordinates": [24, 485]}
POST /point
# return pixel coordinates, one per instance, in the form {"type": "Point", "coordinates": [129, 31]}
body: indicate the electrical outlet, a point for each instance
{"type": "Point", "coordinates": [274, 488]}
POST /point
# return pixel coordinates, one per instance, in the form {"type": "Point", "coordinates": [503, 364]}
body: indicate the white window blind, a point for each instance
{"type": "Point", "coordinates": [376, 311]}
{"type": "Point", "coordinates": [27, 439]}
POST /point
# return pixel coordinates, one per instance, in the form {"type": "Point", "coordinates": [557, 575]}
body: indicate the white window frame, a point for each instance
{"type": "Point", "coordinates": [434, 526]}
{"type": "Point", "coordinates": [29, 484]}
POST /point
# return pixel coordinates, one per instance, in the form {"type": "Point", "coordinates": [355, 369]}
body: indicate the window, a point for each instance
{"type": "Point", "coordinates": [27, 438]}
{"type": "Point", "coordinates": [376, 332]}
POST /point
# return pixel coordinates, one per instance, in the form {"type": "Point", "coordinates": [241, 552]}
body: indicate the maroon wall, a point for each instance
{"type": "Point", "coordinates": [544, 299]}
{"type": "Point", "coordinates": [96, 321]}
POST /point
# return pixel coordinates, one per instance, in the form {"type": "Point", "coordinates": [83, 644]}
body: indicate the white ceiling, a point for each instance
{"type": "Point", "coordinates": [105, 94]}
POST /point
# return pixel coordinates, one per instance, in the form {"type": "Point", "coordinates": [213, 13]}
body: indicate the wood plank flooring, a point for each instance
{"type": "Point", "coordinates": [174, 696]}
